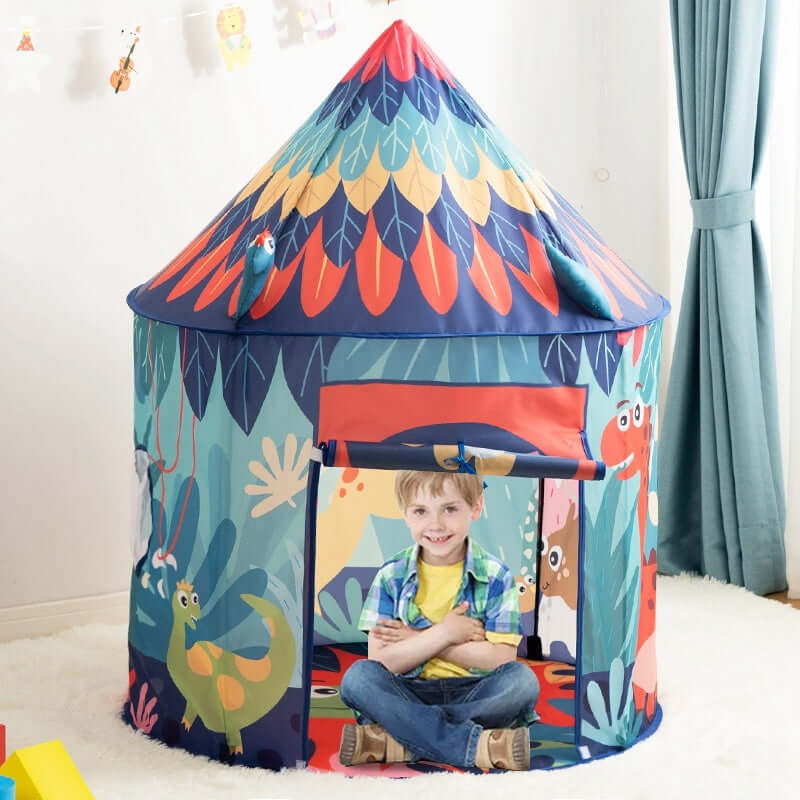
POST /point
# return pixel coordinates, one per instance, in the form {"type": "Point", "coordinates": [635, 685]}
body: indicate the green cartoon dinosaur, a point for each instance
{"type": "Point", "coordinates": [228, 692]}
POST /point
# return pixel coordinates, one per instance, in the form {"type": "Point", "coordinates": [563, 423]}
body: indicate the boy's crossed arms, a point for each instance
{"type": "Point", "coordinates": [457, 638]}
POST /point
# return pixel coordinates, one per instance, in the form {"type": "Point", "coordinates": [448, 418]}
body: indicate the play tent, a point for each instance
{"type": "Point", "coordinates": [430, 289]}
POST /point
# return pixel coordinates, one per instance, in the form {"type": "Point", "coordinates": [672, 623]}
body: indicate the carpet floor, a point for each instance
{"type": "Point", "coordinates": [729, 685]}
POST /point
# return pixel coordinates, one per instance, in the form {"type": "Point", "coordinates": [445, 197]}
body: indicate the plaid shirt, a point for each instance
{"type": "Point", "coordinates": [487, 585]}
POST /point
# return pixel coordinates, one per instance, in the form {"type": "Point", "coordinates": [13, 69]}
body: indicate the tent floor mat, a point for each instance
{"type": "Point", "coordinates": [552, 736]}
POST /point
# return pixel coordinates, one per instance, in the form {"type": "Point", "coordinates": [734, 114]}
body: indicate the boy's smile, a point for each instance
{"type": "Point", "coordinates": [440, 524]}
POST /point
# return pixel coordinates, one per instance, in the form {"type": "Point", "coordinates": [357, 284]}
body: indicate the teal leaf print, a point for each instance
{"type": "Point", "coordinates": [359, 143]}
{"type": "Point", "coordinates": [395, 142]}
{"type": "Point", "coordinates": [430, 144]}
{"type": "Point", "coordinates": [337, 624]}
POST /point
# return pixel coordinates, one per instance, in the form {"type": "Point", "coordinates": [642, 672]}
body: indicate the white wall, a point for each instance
{"type": "Point", "coordinates": [100, 191]}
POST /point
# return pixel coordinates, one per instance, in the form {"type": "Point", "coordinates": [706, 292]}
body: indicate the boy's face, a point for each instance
{"type": "Point", "coordinates": [440, 524]}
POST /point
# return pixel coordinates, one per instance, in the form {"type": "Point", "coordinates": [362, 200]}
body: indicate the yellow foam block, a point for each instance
{"type": "Point", "coordinates": [45, 772]}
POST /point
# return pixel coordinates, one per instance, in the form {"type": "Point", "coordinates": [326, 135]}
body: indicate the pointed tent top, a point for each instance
{"type": "Point", "coordinates": [399, 209]}
{"type": "Point", "coordinates": [399, 47]}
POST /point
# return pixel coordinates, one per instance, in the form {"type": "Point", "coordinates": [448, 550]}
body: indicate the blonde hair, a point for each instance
{"type": "Point", "coordinates": [408, 481]}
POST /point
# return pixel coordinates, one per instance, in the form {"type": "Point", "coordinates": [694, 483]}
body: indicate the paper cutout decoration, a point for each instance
{"type": "Point", "coordinates": [233, 43]}
{"type": "Point", "coordinates": [282, 21]}
{"type": "Point", "coordinates": [120, 78]}
{"type": "Point", "coordinates": [25, 63]}
{"type": "Point", "coordinates": [318, 21]}
{"type": "Point", "coordinates": [25, 42]}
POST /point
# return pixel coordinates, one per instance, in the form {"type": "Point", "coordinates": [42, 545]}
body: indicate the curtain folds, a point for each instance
{"type": "Point", "coordinates": [782, 211]}
{"type": "Point", "coordinates": [720, 474]}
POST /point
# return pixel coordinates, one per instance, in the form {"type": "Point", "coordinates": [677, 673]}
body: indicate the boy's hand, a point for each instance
{"type": "Point", "coordinates": [461, 628]}
{"type": "Point", "coordinates": [393, 630]}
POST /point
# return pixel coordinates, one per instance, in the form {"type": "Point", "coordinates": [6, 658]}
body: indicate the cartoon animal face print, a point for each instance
{"type": "Point", "coordinates": [186, 604]}
{"type": "Point", "coordinates": [625, 445]}
{"type": "Point", "coordinates": [230, 21]}
{"type": "Point", "coordinates": [326, 701]}
{"type": "Point", "coordinates": [560, 561]}
{"type": "Point", "coordinates": [526, 586]}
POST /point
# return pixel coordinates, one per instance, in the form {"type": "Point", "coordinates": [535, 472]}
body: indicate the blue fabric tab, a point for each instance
{"type": "Point", "coordinates": [725, 211]}
{"type": "Point", "coordinates": [579, 283]}
{"type": "Point", "coordinates": [463, 464]}
{"type": "Point", "coordinates": [460, 459]}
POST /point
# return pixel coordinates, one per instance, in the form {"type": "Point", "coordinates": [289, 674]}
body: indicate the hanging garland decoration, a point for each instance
{"type": "Point", "coordinates": [120, 78]}
{"type": "Point", "coordinates": [307, 22]}
{"type": "Point", "coordinates": [234, 44]}
{"type": "Point", "coordinates": [25, 63]}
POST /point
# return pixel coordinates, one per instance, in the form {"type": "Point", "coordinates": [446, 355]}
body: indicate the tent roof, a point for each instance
{"type": "Point", "coordinates": [398, 209]}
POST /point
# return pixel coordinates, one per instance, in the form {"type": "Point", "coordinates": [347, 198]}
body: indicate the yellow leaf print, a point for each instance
{"type": "Point", "coordinates": [421, 187]}
{"type": "Point", "coordinates": [472, 194]}
{"type": "Point", "coordinates": [366, 189]}
{"type": "Point", "coordinates": [279, 482]}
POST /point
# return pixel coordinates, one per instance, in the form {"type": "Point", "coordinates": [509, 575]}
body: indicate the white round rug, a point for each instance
{"type": "Point", "coordinates": [729, 685]}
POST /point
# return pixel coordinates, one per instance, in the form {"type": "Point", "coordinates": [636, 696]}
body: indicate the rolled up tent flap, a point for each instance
{"type": "Point", "coordinates": [457, 458]}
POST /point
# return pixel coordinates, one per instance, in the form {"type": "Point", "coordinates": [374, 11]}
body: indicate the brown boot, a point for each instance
{"type": "Point", "coordinates": [366, 743]}
{"type": "Point", "coordinates": [504, 748]}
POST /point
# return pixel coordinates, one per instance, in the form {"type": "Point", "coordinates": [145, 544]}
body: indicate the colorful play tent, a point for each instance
{"type": "Point", "coordinates": [430, 289]}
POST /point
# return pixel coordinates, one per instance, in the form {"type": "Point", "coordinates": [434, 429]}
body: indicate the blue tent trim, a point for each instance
{"type": "Point", "coordinates": [192, 323]}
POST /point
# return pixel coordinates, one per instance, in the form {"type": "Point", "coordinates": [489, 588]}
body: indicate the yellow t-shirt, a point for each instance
{"type": "Point", "coordinates": [438, 587]}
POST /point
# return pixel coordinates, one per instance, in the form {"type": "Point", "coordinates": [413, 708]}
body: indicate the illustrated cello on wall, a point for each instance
{"type": "Point", "coordinates": [120, 78]}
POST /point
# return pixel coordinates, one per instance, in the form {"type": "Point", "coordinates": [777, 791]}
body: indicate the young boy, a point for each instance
{"type": "Point", "coordinates": [441, 681]}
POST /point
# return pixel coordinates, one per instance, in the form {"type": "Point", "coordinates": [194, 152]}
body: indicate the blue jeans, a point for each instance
{"type": "Point", "coordinates": [441, 719]}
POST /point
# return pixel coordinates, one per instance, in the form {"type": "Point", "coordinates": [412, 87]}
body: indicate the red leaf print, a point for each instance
{"type": "Point", "coordinates": [378, 270]}
{"type": "Point", "coordinates": [373, 55]}
{"type": "Point", "coordinates": [398, 44]}
{"type": "Point", "coordinates": [604, 268]}
{"type": "Point", "coordinates": [623, 337]}
{"type": "Point", "coordinates": [186, 255]}
{"type": "Point", "coordinates": [597, 267]}
{"type": "Point", "coordinates": [617, 271]}
{"type": "Point", "coordinates": [489, 275]}
{"type": "Point", "coordinates": [274, 289]}
{"type": "Point", "coordinates": [219, 282]}
{"type": "Point", "coordinates": [321, 276]}
{"type": "Point", "coordinates": [435, 268]}
{"type": "Point", "coordinates": [202, 267]}
{"type": "Point", "coordinates": [539, 283]}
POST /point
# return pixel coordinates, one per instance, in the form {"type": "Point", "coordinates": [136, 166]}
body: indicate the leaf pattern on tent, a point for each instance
{"type": "Point", "coordinates": [201, 365]}
{"type": "Point", "coordinates": [399, 142]}
{"type": "Point", "coordinates": [452, 225]}
{"type": "Point", "coordinates": [341, 624]}
{"type": "Point", "coordinates": [154, 347]}
{"type": "Point", "coordinates": [561, 357]}
{"type": "Point", "coordinates": [280, 482]}
{"type": "Point", "coordinates": [247, 364]}
{"type": "Point", "coordinates": [385, 101]}
{"type": "Point", "coordinates": [141, 363]}
{"type": "Point", "coordinates": [616, 586]}
{"type": "Point", "coordinates": [604, 351]}
{"type": "Point", "coordinates": [461, 359]}
{"type": "Point", "coordinates": [398, 222]}
{"type": "Point", "coordinates": [151, 616]}
{"type": "Point", "coordinates": [616, 721]}
{"type": "Point", "coordinates": [342, 229]}
{"type": "Point", "coordinates": [651, 362]}
{"type": "Point", "coordinates": [305, 364]}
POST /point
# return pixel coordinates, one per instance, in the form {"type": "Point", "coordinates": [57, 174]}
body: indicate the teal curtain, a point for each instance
{"type": "Point", "coordinates": [722, 505]}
